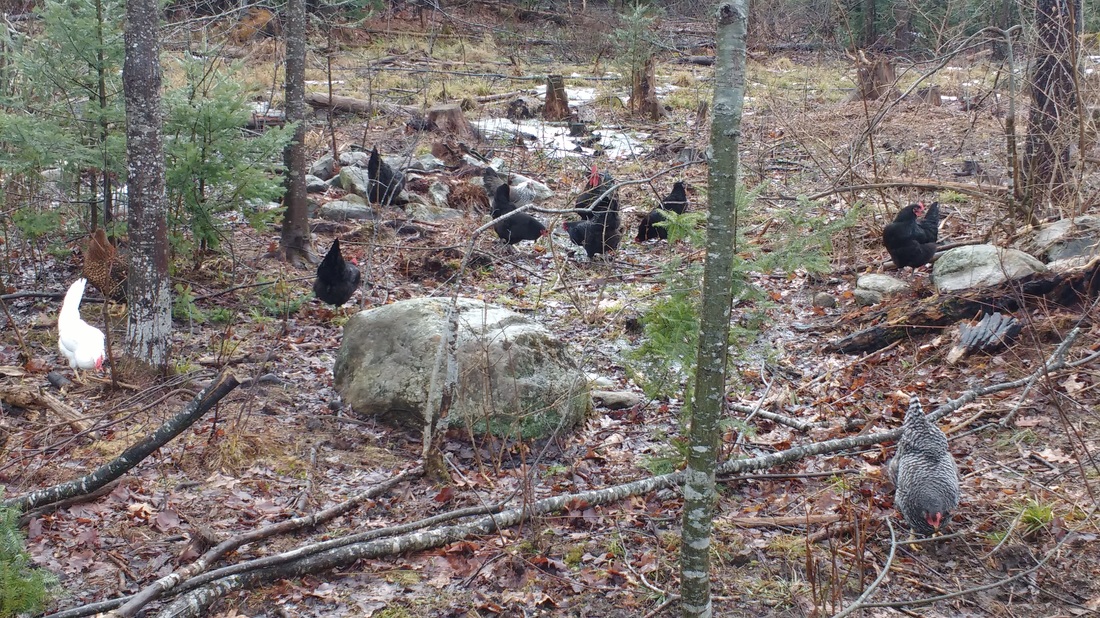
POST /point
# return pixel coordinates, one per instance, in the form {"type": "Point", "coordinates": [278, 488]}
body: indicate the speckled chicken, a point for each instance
{"type": "Point", "coordinates": [926, 481]}
{"type": "Point", "coordinates": [105, 267]}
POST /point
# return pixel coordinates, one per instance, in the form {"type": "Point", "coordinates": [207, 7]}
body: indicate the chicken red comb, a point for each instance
{"type": "Point", "coordinates": [594, 177]}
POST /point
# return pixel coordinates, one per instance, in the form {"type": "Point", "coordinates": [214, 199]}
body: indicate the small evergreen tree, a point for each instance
{"type": "Point", "coordinates": [23, 588]}
{"type": "Point", "coordinates": [213, 167]}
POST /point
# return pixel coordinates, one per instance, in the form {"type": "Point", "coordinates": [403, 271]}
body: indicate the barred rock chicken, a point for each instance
{"type": "Point", "coordinates": [104, 267]}
{"type": "Point", "coordinates": [912, 242]}
{"type": "Point", "coordinates": [522, 190]}
{"type": "Point", "coordinates": [520, 226]}
{"type": "Point", "coordinates": [926, 481]}
{"type": "Point", "coordinates": [336, 280]}
{"type": "Point", "coordinates": [596, 198]}
{"type": "Point", "coordinates": [386, 183]}
{"type": "Point", "coordinates": [79, 342]}
{"type": "Point", "coordinates": [675, 202]}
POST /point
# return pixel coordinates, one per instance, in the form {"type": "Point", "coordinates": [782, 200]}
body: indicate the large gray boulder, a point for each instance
{"type": "Point", "coordinates": [975, 266]}
{"type": "Point", "coordinates": [514, 376]}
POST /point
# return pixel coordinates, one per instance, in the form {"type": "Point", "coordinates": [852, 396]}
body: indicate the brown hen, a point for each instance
{"type": "Point", "coordinates": [104, 267]}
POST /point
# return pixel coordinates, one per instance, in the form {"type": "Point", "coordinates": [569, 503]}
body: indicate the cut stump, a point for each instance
{"type": "Point", "coordinates": [557, 101]}
{"type": "Point", "coordinates": [450, 119]}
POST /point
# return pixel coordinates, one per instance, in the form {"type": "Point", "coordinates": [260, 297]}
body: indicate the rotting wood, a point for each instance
{"type": "Point", "coordinates": [557, 101]}
{"type": "Point", "coordinates": [875, 79]}
{"type": "Point", "coordinates": [29, 397]}
{"type": "Point", "coordinates": [358, 106]}
{"type": "Point", "coordinates": [643, 99]}
{"type": "Point", "coordinates": [931, 315]}
{"type": "Point", "coordinates": [450, 119]}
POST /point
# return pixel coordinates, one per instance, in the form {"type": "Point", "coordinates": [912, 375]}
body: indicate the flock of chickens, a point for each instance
{"type": "Point", "coordinates": [597, 232]}
{"type": "Point", "coordinates": [923, 471]}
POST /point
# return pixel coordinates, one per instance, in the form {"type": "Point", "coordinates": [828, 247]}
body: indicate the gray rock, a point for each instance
{"type": "Point", "coordinates": [514, 376]}
{"type": "Point", "coordinates": [324, 168]}
{"type": "Point", "coordinates": [1064, 239]}
{"type": "Point", "coordinates": [873, 287]}
{"type": "Point", "coordinates": [615, 400]}
{"type": "Point", "coordinates": [427, 212]}
{"type": "Point", "coordinates": [351, 207]}
{"type": "Point", "coordinates": [439, 193]}
{"type": "Point", "coordinates": [356, 158]}
{"type": "Point", "coordinates": [427, 163]}
{"type": "Point", "coordinates": [884, 284]}
{"type": "Point", "coordinates": [355, 180]}
{"type": "Point", "coordinates": [824, 300]}
{"type": "Point", "coordinates": [315, 184]}
{"type": "Point", "coordinates": [866, 298]}
{"type": "Point", "coordinates": [973, 266]}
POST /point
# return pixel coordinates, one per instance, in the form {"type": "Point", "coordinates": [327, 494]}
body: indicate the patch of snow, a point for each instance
{"type": "Point", "coordinates": [555, 140]}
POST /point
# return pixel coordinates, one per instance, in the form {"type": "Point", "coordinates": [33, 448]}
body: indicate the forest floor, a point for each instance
{"type": "Point", "coordinates": [803, 540]}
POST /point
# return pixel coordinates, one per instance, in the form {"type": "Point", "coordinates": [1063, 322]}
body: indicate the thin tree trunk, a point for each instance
{"type": "Point", "coordinates": [714, 324]}
{"type": "Point", "coordinates": [150, 298]}
{"type": "Point", "coordinates": [295, 238]}
{"type": "Point", "coordinates": [1054, 105]}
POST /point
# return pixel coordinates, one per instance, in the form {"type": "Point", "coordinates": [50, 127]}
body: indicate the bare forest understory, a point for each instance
{"type": "Point", "coordinates": [522, 529]}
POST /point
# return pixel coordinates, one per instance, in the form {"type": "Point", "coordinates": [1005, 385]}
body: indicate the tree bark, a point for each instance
{"type": "Point", "coordinates": [643, 99]}
{"type": "Point", "coordinates": [150, 297]}
{"type": "Point", "coordinates": [557, 101]}
{"type": "Point", "coordinates": [295, 243]}
{"type": "Point", "coordinates": [714, 324]}
{"type": "Point", "coordinates": [1051, 121]}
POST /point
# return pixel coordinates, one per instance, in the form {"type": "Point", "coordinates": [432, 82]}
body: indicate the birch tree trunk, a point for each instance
{"type": "Point", "coordinates": [714, 321]}
{"type": "Point", "coordinates": [295, 237]}
{"type": "Point", "coordinates": [150, 297]}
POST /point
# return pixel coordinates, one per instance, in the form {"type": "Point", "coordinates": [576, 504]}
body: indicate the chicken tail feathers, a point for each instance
{"type": "Point", "coordinates": [70, 307]}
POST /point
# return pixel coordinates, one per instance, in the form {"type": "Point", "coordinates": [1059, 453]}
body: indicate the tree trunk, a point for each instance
{"type": "Point", "coordinates": [1053, 115]}
{"type": "Point", "coordinates": [869, 16]}
{"type": "Point", "coordinates": [708, 399]}
{"type": "Point", "coordinates": [643, 98]}
{"type": "Point", "coordinates": [875, 79]}
{"type": "Point", "coordinates": [295, 237]}
{"type": "Point", "coordinates": [150, 297]}
{"type": "Point", "coordinates": [557, 101]}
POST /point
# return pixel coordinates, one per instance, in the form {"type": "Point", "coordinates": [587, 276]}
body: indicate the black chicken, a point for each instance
{"type": "Point", "coordinates": [599, 235]}
{"type": "Point", "coordinates": [926, 480]}
{"type": "Point", "coordinates": [336, 279]}
{"type": "Point", "coordinates": [675, 202]}
{"type": "Point", "coordinates": [518, 227]}
{"type": "Point", "coordinates": [596, 198]}
{"type": "Point", "coordinates": [385, 183]}
{"type": "Point", "coordinates": [912, 242]}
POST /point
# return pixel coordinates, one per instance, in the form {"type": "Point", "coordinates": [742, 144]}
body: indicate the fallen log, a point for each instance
{"type": "Point", "coordinates": [933, 314]}
{"type": "Point", "coordinates": [358, 106]}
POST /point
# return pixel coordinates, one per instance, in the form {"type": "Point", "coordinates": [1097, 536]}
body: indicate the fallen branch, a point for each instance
{"type": "Point", "coordinates": [378, 543]}
{"type": "Point", "coordinates": [167, 583]}
{"type": "Point", "coordinates": [132, 456]}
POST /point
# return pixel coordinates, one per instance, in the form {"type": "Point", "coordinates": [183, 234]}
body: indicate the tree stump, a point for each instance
{"type": "Point", "coordinates": [643, 99]}
{"type": "Point", "coordinates": [450, 119]}
{"type": "Point", "coordinates": [875, 79]}
{"type": "Point", "coordinates": [931, 96]}
{"type": "Point", "coordinates": [557, 102]}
